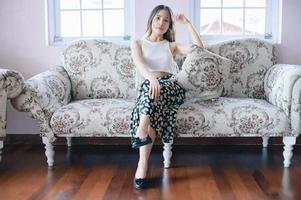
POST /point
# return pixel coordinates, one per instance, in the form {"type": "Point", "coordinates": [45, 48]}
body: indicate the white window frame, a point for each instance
{"type": "Point", "coordinates": [53, 25]}
{"type": "Point", "coordinates": [272, 29]}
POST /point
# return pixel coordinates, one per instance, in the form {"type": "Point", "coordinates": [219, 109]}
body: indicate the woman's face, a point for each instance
{"type": "Point", "coordinates": [160, 22]}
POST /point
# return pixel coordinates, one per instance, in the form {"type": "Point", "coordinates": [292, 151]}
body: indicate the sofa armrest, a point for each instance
{"type": "Point", "coordinates": [12, 82]}
{"type": "Point", "coordinates": [296, 107]}
{"type": "Point", "coordinates": [42, 95]}
{"type": "Point", "coordinates": [281, 85]}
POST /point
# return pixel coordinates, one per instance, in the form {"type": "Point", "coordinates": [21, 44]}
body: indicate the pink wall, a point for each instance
{"type": "Point", "coordinates": [290, 47]}
{"type": "Point", "coordinates": [23, 44]}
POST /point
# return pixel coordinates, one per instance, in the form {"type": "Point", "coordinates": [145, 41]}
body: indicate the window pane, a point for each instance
{"type": "Point", "coordinates": [210, 3]}
{"type": "Point", "coordinates": [210, 21]}
{"type": "Point", "coordinates": [255, 21]}
{"type": "Point", "coordinates": [92, 23]}
{"type": "Point", "coordinates": [114, 27]}
{"type": "Point", "coordinates": [69, 4]}
{"type": "Point", "coordinates": [91, 4]}
{"type": "Point", "coordinates": [113, 3]}
{"type": "Point", "coordinates": [233, 21]}
{"type": "Point", "coordinates": [255, 3]}
{"type": "Point", "coordinates": [70, 23]}
{"type": "Point", "coordinates": [233, 3]}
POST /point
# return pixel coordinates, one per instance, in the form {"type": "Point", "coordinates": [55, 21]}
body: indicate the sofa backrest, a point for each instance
{"type": "Point", "coordinates": [99, 69]}
{"type": "Point", "coordinates": [252, 58]}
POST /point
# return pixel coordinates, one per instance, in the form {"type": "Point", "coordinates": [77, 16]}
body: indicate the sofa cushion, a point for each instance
{"type": "Point", "coordinates": [100, 69]}
{"type": "Point", "coordinates": [203, 73]}
{"type": "Point", "coordinates": [219, 118]}
{"type": "Point", "coordinates": [94, 117]}
{"type": "Point", "coordinates": [252, 58]}
{"type": "Point", "coordinates": [227, 117]}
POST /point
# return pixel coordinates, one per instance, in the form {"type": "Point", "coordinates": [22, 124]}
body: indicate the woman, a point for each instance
{"type": "Point", "coordinates": [160, 95]}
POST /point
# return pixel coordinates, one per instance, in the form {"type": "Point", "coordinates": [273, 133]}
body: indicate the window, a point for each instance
{"type": "Point", "coordinates": [218, 20]}
{"type": "Point", "coordinates": [74, 19]}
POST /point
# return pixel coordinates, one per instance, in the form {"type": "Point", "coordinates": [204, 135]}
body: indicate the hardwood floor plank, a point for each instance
{"type": "Point", "coordinates": [23, 177]}
{"type": "Point", "coordinates": [222, 182]}
{"type": "Point", "coordinates": [156, 177]}
{"type": "Point", "coordinates": [176, 185]}
{"type": "Point", "coordinates": [96, 183]}
{"type": "Point", "coordinates": [202, 183]}
{"type": "Point", "coordinates": [117, 183]}
{"type": "Point", "coordinates": [67, 186]}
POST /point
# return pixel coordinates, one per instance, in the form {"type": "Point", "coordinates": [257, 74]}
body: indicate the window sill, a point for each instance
{"type": "Point", "coordinates": [69, 40]}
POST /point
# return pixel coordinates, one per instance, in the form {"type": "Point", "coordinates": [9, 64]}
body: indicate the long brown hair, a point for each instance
{"type": "Point", "coordinates": [170, 33]}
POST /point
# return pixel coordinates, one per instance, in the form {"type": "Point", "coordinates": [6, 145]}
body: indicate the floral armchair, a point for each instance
{"type": "Point", "coordinates": [11, 84]}
{"type": "Point", "coordinates": [92, 95]}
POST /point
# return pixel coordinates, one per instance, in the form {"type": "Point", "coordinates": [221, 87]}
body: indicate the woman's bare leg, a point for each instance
{"type": "Point", "coordinates": [142, 129]}
{"type": "Point", "coordinates": [144, 153]}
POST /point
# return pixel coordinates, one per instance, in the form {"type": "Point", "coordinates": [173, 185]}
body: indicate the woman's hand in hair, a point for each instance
{"type": "Point", "coordinates": [180, 18]}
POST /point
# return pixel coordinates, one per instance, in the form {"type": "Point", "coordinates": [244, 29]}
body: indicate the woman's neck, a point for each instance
{"type": "Point", "coordinates": [155, 38]}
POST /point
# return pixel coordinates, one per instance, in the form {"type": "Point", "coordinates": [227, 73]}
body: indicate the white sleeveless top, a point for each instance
{"type": "Point", "coordinates": [158, 57]}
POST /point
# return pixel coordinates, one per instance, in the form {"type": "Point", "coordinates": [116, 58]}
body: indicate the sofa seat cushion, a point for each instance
{"type": "Point", "coordinates": [94, 117]}
{"type": "Point", "coordinates": [224, 117]}
{"type": "Point", "coordinates": [231, 117]}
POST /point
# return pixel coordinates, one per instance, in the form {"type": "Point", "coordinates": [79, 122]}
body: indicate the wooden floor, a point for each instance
{"type": "Point", "coordinates": [106, 172]}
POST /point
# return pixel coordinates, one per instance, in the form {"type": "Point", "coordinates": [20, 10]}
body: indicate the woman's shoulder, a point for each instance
{"type": "Point", "coordinates": [136, 42]}
{"type": "Point", "coordinates": [172, 44]}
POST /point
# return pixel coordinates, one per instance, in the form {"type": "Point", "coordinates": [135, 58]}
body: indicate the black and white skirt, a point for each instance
{"type": "Point", "coordinates": [162, 113]}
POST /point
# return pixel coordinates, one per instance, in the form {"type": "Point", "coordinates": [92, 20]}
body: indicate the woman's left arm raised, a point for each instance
{"type": "Point", "coordinates": [179, 48]}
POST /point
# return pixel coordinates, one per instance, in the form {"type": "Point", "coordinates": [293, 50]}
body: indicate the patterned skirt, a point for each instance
{"type": "Point", "coordinates": [162, 113]}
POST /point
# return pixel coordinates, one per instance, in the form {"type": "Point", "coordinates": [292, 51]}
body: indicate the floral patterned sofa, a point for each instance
{"type": "Point", "coordinates": [92, 95]}
{"type": "Point", "coordinates": [11, 85]}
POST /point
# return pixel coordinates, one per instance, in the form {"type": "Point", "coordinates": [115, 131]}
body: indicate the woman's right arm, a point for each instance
{"type": "Point", "coordinates": [139, 61]}
{"type": "Point", "coordinates": [142, 67]}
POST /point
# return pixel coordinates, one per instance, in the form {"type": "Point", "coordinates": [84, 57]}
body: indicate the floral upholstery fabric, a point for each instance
{"type": "Point", "coordinates": [279, 82]}
{"type": "Point", "coordinates": [100, 69]}
{"type": "Point", "coordinates": [235, 116]}
{"type": "Point", "coordinates": [43, 95]}
{"type": "Point", "coordinates": [252, 58]}
{"type": "Point", "coordinates": [282, 88]}
{"type": "Point", "coordinates": [296, 107]}
{"type": "Point", "coordinates": [231, 117]}
{"type": "Point", "coordinates": [203, 73]}
{"type": "Point", "coordinates": [94, 117]}
{"type": "Point", "coordinates": [11, 84]}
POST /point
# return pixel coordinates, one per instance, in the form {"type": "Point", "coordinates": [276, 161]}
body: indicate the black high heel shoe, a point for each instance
{"type": "Point", "coordinates": [140, 183]}
{"type": "Point", "coordinates": [137, 142]}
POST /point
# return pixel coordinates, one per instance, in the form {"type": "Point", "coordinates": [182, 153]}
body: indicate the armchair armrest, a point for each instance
{"type": "Point", "coordinates": [282, 88]}
{"type": "Point", "coordinates": [42, 95]}
{"type": "Point", "coordinates": [11, 84]}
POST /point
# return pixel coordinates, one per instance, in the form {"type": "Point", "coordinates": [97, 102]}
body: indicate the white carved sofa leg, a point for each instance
{"type": "Point", "coordinates": [288, 142]}
{"type": "Point", "coordinates": [167, 153]}
{"type": "Point", "coordinates": [49, 152]}
{"type": "Point", "coordinates": [1, 147]}
{"type": "Point", "coordinates": [265, 141]}
{"type": "Point", "coordinates": [69, 141]}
